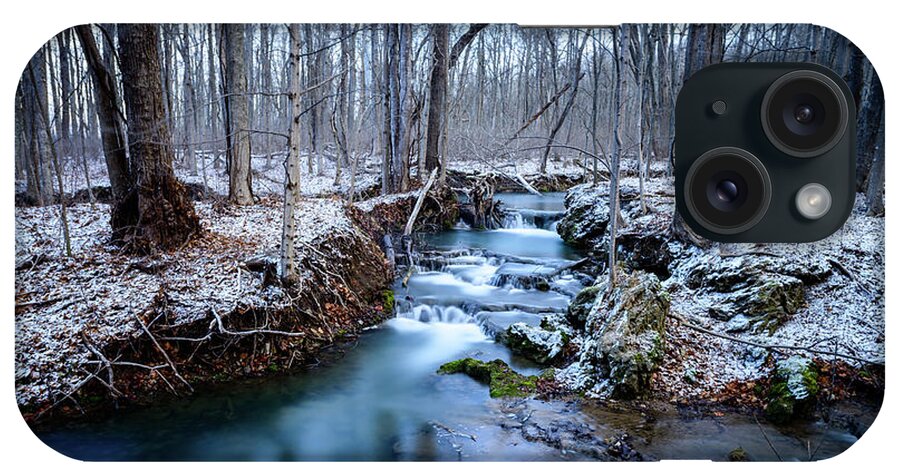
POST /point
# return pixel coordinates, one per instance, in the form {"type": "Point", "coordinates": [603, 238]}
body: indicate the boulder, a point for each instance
{"type": "Point", "coordinates": [534, 343]}
{"type": "Point", "coordinates": [731, 273]}
{"type": "Point", "coordinates": [766, 302]}
{"type": "Point", "coordinates": [587, 216]}
{"type": "Point", "coordinates": [625, 338]}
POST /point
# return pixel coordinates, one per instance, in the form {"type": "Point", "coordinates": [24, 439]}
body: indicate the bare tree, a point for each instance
{"type": "Point", "coordinates": [287, 263]}
{"type": "Point", "coordinates": [615, 160]}
{"type": "Point", "coordinates": [240, 184]}
{"type": "Point", "coordinates": [157, 213]}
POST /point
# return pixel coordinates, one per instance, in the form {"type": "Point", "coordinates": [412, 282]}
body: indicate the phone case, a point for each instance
{"type": "Point", "coordinates": [395, 242]}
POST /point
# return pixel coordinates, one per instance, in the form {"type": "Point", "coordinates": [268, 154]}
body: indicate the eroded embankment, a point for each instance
{"type": "Point", "coordinates": [104, 326]}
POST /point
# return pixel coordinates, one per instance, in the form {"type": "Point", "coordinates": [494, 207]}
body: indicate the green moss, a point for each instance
{"type": "Point", "coordinates": [738, 454]}
{"type": "Point", "coordinates": [502, 380]}
{"type": "Point", "coordinates": [274, 367]}
{"type": "Point", "coordinates": [780, 405]}
{"type": "Point", "coordinates": [387, 299]}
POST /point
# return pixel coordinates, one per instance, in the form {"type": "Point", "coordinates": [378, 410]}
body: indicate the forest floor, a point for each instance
{"type": "Point", "coordinates": [77, 317]}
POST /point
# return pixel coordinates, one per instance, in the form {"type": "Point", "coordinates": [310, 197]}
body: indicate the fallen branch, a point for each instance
{"type": "Point", "coordinates": [222, 330]}
{"type": "Point", "coordinates": [527, 185]}
{"type": "Point", "coordinates": [163, 352]}
{"type": "Point", "coordinates": [767, 439]}
{"type": "Point", "coordinates": [684, 321]}
{"type": "Point", "coordinates": [846, 272]}
{"type": "Point", "coordinates": [415, 212]}
{"type": "Point", "coordinates": [453, 432]}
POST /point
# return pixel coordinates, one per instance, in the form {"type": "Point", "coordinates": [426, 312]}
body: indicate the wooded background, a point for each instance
{"type": "Point", "coordinates": [205, 98]}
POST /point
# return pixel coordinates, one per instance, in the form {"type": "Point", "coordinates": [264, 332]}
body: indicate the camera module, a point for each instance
{"type": "Point", "coordinates": [727, 190]}
{"type": "Point", "coordinates": [804, 113]}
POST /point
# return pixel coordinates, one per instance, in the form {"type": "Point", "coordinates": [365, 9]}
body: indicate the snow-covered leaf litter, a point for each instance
{"type": "Point", "coordinates": [99, 292]}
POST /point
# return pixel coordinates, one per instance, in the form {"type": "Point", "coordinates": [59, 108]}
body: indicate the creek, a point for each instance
{"type": "Point", "coordinates": [380, 398]}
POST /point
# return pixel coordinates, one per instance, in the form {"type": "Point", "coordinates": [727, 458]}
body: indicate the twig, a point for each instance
{"type": "Point", "coordinates": [223, 330]}
{"type": "Point", "coordinates": [767, 439]}
{"type": "Point", "coordinates": [453, 432]}
{"type": "Point", "coordinates": [704, 330]}
{"type": "Point", "coordinates": [846, 272]}
{"type": "Point", "coordinates": [163, 352]}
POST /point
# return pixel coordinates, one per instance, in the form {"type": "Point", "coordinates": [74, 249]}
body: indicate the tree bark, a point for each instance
{"type": "Point", "coordinates": [240, 187]}
{"type": "Point", "coordinates": [112, 133]}
{"type": "Point", "coordinates": [871, 117]}
{"type": "Point", "coordinates": [158, 213]}
{"type": "Point", "coordinates": [437, 95]}
{"type": "Point", "coordinates": [287, 264]}
{"type": "Point", "coordinates": [615, 160]}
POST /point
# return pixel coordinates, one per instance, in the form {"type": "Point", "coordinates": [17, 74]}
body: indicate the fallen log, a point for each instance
{"type": "Point", "coordinates": [415, 212]}
{"type": "Point", "coordinates": [527, 185]}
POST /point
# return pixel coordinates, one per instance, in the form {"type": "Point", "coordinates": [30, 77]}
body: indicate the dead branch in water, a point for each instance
{"type": "Point", "coordinates": [453, 432]}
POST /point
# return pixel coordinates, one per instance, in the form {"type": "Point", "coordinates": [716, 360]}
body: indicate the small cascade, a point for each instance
{"type": "Point", "coordinates": [437, 313]}
{"type": "Point", "coordinates": [518, 218]}
{"type": "Point", "coordinates": [514, 219]}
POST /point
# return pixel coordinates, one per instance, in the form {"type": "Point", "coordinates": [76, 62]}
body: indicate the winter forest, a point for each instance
{"type": "Point", "coordinates": [420, 242]}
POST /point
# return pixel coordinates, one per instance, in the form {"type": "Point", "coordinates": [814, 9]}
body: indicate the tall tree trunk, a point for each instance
{"type": "Point", "coordinates": [158, 214]}
{"type": "Point", "coordinates": [615, 160]}
{"type": "Point", "coordinates": [437, 95]}
{"type": "Point", "coordinates": [240, 189]}
{"type": "Point", "coordinates": [189, 103]}
{"type": "Point", "coordinates": [214, 96]}
{"type": "Point", "coordinates": [871, 117]}
{"type": "Point", "coordinates": [287, 263]}
{"type": "Point", "coordinates": [112, 133]}
{"type": "Point", "coordinates": [41, 99]}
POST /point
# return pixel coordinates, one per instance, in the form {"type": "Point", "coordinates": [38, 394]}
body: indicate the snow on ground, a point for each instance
{"type": "Point", "coordinates": [268, 174]}
{"type": "Point", "coordinates": [841, 314]}
{"type": "Point", "coordinates": [97, 294]}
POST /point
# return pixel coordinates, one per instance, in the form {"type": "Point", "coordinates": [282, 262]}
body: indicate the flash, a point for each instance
{"type": "Point", "coordinates": [813, 201]}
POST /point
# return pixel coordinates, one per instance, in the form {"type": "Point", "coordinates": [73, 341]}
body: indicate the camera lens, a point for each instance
{"type": "Point", "coordinates": [727, 190]}
{"type": "Point", "coordinates": [804, 113]}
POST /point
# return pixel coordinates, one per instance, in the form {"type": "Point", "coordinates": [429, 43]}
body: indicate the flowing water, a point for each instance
{"type": "Point", "coordinates": [381, 398]}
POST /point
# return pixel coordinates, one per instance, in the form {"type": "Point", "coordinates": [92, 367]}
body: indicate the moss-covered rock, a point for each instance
{"type": "Point", "coordinates": [502, 380]}
{"type": "Point", "coordinates": [388, 301]}
{"type": "Point", "coordinates": [793, 390]}
{"type": "Point", "coordinates": [581, 305]}
{"type": "Point", "coordinates": [535, 343]}
{"type": "Point", "coordinates": [625, 338]}
{"type": "Point", "coordinates": [738, 454]}
{"type": "Point", "coordinates": [767, 302]}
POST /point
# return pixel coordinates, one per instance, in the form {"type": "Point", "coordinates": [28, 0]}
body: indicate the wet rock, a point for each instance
{"type": "Point", "coordinates": [495, 324]}
{"type": "Point", "coordinates": [625, 338]}
{"type": "Point", "coordinates": [646, 250]}
{"type": "Point", "coordinates": [793, 390]}
{"type": "Point", "coordinates": [587, 216]}
{"type": "Point", "coordinates": [581, 306]}
{"type": "Point", "coordinates": [502, 380]}
{"type": "Point", "coordinates": [534, 343]}
{"type": "Point", "coordinates": [766, 302]}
